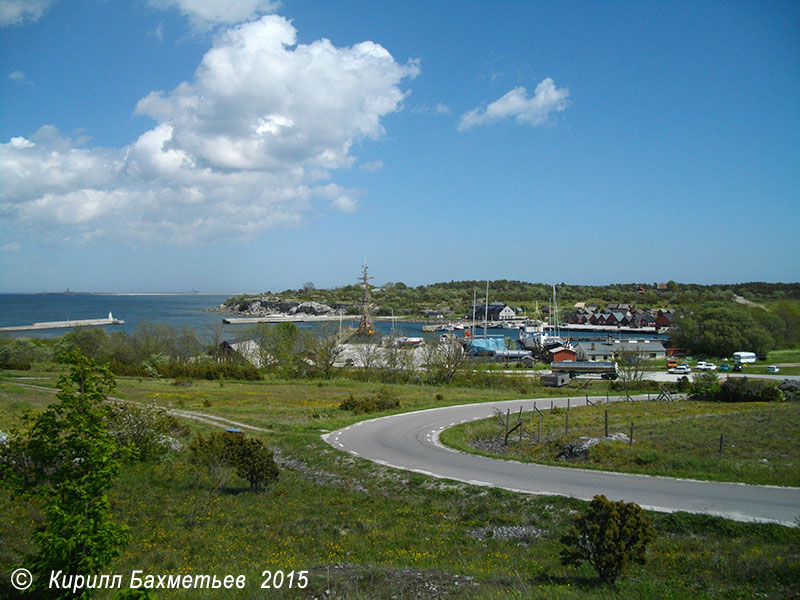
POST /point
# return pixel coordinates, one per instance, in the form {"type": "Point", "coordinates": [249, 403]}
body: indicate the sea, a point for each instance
{"type": "Point", "coordinates": [192, 310]}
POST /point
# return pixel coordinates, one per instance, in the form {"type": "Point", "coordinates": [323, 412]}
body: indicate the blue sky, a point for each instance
{"type": "Point", "coordinates": [168, 145]}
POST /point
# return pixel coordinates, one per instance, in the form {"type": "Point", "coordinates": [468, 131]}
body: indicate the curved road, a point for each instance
{"type": "Point", "coordinates": [410, 441]}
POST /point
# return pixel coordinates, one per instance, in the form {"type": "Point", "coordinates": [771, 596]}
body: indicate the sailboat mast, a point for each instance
{"type": "Point", "coordinates": [486, 310]}
{"type": "Point", "coordinates": [474, 300]}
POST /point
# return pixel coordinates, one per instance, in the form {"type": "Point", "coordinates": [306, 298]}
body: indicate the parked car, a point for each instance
{"type": "Point", "coordinates": [725, 367]}
{"type": "Point", "coordinates": [682, 370]}
{"type": "Point", "coordinates": [738, 366]}
{"type": "Point", "coordinates": [706, 366]}
{"type": "Point", "coordinates": [773, 369]}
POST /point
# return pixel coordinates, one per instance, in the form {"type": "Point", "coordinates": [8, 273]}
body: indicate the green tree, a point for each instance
{"type": "Point", "coordinates": [224, 453]}
{"type": "Point", "coordinates": [609, 536]}
{"type": "Point", "coordinates": [705, 386]}
{"type": "Point", "coordinates": [720, 330]}
{"type": "Point", "coordinates": [324, 347]}
{"type": "Point", "coordinates": [65, 460]}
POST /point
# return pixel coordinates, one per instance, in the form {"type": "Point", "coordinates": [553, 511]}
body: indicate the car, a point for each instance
{"type": "Point", "coordinates": [706, 366]}
{"type": "Point", "coordinates": [773, 369]}
{"type": "Point", "coordinates": [682, 370]}
{"type": "Point", "coordinates": [738, 366]}
{"type": "Point", "coordinates": [725, 367]}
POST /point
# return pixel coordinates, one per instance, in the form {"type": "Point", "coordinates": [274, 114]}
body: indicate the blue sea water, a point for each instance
{"type": "Point", "coordinates": [177, 310]}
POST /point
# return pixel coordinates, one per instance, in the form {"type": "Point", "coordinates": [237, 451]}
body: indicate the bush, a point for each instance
{"type": "Point", "coordinates": [705, 386]}
{"type": "Point", "coordinates": [742, 389]}
{"type": "Point", "coordinates": [790, 389]}
{"type": "Point", "coordinates": [384, 400]}
{"type": "Point", "coordinates": [148, 430]}
{"type": "Point", "coordinates": [609, 536]}
{"type": "Point", "coordinates": [224, 453]}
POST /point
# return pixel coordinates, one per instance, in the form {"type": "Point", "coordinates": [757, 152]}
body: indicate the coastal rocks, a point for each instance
{"type": "Point", "coordinates": [311, 308]}
{"type": "Point", "coordinates": [263, 307]}
{"type": "Point", "coordinates": [580, 448]}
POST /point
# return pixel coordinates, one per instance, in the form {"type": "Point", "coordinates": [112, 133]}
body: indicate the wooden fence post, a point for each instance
{"type": "Point", "coordinates": [630, 442]}
{"type": "Point", "coordinates": [606, 422]}
{"type": "Point", "coordinates": [721, 437]}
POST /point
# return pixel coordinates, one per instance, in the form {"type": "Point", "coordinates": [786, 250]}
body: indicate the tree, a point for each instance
{"type": "Point", "coordinates": [449, 358]}
{"type": "Point", "coordinates": [224, 453]}
{"type": "Point", "coordinates": [609, 536]}
{"type": "Point", "coordinates": [705, 386]}
{"type": "Point", "coordinates": [324, 349]}
{"type": "Point", "coordinates": [280, 347]}
{"type": "Point", "coordinates": [722, 329]}
{"type": "Point", "coordinates": [631, 364]}
{"type": "Point", "coordinates": [66, 461]}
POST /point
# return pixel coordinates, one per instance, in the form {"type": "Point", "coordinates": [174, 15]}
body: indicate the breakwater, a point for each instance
{"type": "Point", "coordinates": [110, 320]}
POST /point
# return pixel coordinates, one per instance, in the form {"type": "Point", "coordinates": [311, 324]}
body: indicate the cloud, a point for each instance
{"type": "Point", "coordinates": [19, 77]}
{"type": "Point", "coordinates": [375, 165]}
{"type": "Point", "coordinates": [250, 143]}
{"type": "Point", "coordinates": [547, 98]}
{"type": "Point", "coordinates": [17, 12]}
{"type": "Point", "coordinates": [10, 248]}
{"type": "Point", "coordinates": [204, 13]}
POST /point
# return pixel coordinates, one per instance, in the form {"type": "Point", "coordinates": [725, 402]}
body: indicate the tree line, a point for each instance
{"type": "Point", "coordinates": [454, 298]}
{"type": "Point", "coordinates": [720, 329]}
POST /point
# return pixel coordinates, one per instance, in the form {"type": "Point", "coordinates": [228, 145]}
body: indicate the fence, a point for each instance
{"type": "Point", "coordinates": [522, 423]}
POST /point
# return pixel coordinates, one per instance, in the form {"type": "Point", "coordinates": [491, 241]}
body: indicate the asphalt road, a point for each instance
{"type": "Point", "coordinates": [410, 441]}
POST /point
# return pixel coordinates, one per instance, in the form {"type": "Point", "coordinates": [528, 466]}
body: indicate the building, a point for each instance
{"type": "Point", "coordinates": [559, 353]}
{"type": "Point", "coordinates": [606, 351]}
{"type": "Point", "coordinates": [496, 311]}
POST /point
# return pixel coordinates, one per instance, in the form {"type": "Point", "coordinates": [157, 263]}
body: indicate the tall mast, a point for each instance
{"type": "Point", "coordinates": [365, 327]}
{"type": "Point", "coordinates": [486, 310]}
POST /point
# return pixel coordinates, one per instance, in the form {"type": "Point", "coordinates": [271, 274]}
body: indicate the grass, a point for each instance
{"type": "Point", "coordinates": [674, 439]}
{"type": "Point", "coordinates": [366, 531]}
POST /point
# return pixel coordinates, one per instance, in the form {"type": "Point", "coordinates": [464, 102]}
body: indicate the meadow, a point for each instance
{"type": "Point", "coordinates": [365, 531]}
{"type": "Point", "coordinates": [671, 439]}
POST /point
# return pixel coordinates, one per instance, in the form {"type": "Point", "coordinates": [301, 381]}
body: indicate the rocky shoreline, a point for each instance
{"type": "Point", "coordinates": [266, 307]}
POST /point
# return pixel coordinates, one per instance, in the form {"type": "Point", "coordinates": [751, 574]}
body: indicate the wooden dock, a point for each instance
{"type": "Point", "coordinates": [65, 324]}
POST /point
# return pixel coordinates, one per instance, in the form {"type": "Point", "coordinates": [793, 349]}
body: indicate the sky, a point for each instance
{"type": "Point", "coordinates": [253, 145]}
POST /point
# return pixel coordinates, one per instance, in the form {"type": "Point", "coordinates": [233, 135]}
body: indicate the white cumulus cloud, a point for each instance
{"type": "Point", "coordinates": [214, 12]}
{"type": "Point", "coordinates": [534, 110]}
{"type": "Point", "coordinates": [17, 12]}
{"type": "Point", "coordinates": [251, 142]}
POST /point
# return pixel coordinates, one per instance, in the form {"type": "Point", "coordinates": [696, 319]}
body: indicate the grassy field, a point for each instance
{"type": "Point", "coordinates": [674, 439]}
{"type": "Point", "coordinates": [364, 531]}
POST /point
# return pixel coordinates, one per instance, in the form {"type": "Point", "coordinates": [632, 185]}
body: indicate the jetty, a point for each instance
{"type": "Point", "coordinates": [283, 319]}
{"type": "Point", "coordinates": [110, 320]}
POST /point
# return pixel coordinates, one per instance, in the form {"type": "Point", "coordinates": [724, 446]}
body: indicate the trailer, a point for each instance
{"type": "Point", "coordinates": [606, 370]}
{"type": "Point", "coordinates": [744, 357]}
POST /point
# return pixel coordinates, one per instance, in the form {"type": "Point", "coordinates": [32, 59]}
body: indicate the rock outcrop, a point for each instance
{"type": "Point", "coordinates": [580, 448]}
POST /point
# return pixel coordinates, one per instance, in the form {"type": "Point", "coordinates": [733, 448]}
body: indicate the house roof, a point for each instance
{"type": "Point", "coordinates": [603, 348]}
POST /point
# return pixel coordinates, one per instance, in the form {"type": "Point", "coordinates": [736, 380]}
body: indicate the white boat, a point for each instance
{"type": "Point", "coordinates": [409, 341]}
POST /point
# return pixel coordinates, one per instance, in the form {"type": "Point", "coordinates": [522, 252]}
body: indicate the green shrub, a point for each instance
{"type": "Point", "coordinates": [225, 453]}
{"type": "Point", "coordinates": [148, 430]}
{"type": "Point", "coordinates": [609, 536]}
{"type": "Point", "coordinates": [742, 389]}
{"type": "Point", "coordinates": [705, 386]}
{"type": "Point", "coordinates": [384, 400]}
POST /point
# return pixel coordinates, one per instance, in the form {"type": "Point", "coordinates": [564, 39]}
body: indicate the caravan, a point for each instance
{"type": "Point", "coordinates": [744, 357]}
